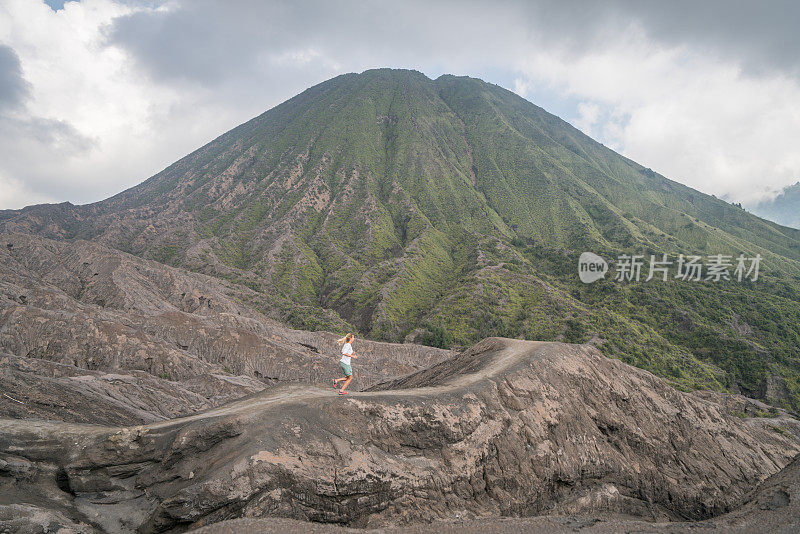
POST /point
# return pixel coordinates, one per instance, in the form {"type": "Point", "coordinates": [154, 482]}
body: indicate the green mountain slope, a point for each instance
{"type": "Point", "coordinates": [447, 210]}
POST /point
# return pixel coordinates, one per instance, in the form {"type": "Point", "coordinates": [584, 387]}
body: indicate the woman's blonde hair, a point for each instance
{"type": "Point", "coordinates": [345, 339]}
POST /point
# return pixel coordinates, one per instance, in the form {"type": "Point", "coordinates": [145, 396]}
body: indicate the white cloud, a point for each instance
{"type": "Point", "coordinates": [522, 86]}
{"type": "Point", "coordinates": [694, 118]}
{"type": "Point", "coordinates": [14, 193]}
{"type": "Point", "coordinates": [91, 124]}
{"type": "Point", "coordinates": [588, 115]}
{"type": "Point", "coordinates": [126, 125]}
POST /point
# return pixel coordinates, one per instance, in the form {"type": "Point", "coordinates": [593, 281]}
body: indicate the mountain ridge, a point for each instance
{"type": "Point", "coordinates": [444, 211]}
{"type": "Point", "coordinates": [514, 428]}
{"type": "Point", "coordinates": [94, 335]}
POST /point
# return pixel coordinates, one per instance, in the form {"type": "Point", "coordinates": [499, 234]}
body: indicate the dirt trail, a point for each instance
{"type": "Point", "coordinates": [512, 352]}
{"type": "Point", "coordinates": [505, 428]}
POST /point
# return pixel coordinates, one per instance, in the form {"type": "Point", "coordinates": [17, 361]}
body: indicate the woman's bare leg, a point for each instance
{"type": "Point", "coordinates": [347, 381]}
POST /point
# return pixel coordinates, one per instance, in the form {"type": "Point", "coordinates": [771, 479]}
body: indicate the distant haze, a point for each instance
{"type": "Point", "coordinates": [97, 95]}
{"type": "Point", "coordinates": [783, 209]}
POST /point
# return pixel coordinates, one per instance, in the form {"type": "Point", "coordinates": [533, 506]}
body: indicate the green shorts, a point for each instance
{"type": "Point", "coordinates": [346, 369]}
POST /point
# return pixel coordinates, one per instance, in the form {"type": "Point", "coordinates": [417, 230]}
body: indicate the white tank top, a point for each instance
{"type": "Point", "coordinates": [347, 350]}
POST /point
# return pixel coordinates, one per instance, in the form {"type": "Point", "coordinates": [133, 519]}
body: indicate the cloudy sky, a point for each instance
{"type": "Point", "coordinates": [97, 95]}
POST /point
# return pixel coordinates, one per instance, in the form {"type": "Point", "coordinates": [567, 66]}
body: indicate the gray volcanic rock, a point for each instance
{"type": "Point", "coordinates": [509, 427]}
{"type": "Point", "coordinates": [101, 336]}
{"type": "Point", "coordinates": [40, 389]}
{"type": "Point", "coordinates": [437, 211]}
{"type": "Point", "coordinates": [773, 507]}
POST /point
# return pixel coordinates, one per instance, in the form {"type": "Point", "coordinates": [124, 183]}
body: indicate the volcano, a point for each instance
{"type": "Point", "coordinates": [152, 381]}
{"type": "Point", "coordinates": [445, 211]}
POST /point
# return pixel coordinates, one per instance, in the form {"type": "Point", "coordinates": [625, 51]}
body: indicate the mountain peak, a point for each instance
{"type": "Point", "coordinates": [398, 206]}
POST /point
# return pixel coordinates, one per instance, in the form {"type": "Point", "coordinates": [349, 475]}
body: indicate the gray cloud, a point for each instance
{"type": "Point", "coordinates": [27, 140]}
{"type": "Point", "coordinates": [758, 35]}
{"type": "Point", "coordinates": [53, 135]}
{"type": "Point", "coordinates": [13, 87]}
{"type": "Point", "coordinates": [206, 41]}
{"type": "Point", "coordinates": [30, 145]}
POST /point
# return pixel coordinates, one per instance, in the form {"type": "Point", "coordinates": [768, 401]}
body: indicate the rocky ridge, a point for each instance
{"type": "Point", "coordinates": [445, 211]}
{"type": "Point", "coordinates": [91, 334]}
{"type": "Point", "coordinates": [774, 506]}
{"type": "Point", "coordinates": [507, 428]}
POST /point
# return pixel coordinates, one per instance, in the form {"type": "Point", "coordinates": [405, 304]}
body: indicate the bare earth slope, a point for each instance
{"type": "Point", "coordinates": [773, 507]}
{"type": "Point", "coordinates": [509, 427]}
{"type": "Point", "coordinates": [446, 211]}
{"type": "Point", "coordinates": [92, 334]}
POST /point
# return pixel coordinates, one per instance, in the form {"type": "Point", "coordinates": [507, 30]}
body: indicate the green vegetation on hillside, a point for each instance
{"type": "Point", "coordinates": [447, 210]}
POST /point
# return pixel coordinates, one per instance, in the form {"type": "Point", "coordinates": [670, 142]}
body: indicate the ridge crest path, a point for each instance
{"type": "Point", "coordinates": [513, 352]}
{"type": "Point", "coordinates": [507, 427]}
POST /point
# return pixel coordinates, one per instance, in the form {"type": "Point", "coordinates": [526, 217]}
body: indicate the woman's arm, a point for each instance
{"type": "Point", "coordinates": [353, 356]}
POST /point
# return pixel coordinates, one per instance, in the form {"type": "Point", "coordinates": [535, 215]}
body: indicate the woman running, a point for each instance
{"type": "Point", "coordinates": [344, 363]}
